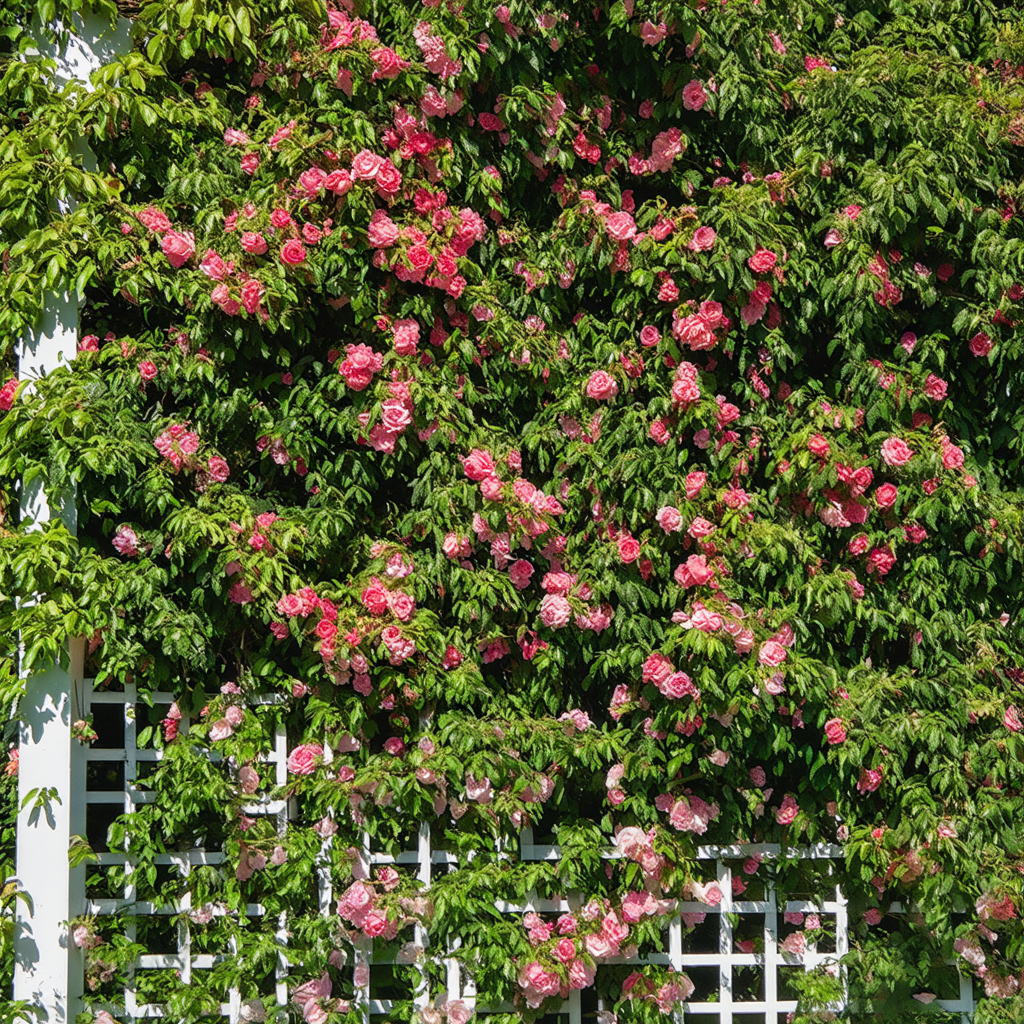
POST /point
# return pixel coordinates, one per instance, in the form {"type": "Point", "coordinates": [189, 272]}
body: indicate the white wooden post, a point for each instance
{"type": "Point", "coordinates": [48, 967]}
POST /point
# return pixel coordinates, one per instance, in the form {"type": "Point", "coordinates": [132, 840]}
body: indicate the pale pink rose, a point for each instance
{"type": "Point", "coordinates": [248, 779]}
{"type": "Point", "coordinates": [694, 484]}
{"type": "Point", "coordinates": [601, 386]}
{"type": "Point", "coordinates": [221, 730]}
{"type": "Point", "coordinates": [178, 247]}
{"type": "Point", "coordinates": [555, 611]}
{"type": "Point", "coordinates": [620, 226]}
{"type": "Point", "coordinates": [771, 653]}
{"type": "Point", "coordinates": [896, 452]}
{"type": "Point", "coordinates": [303, 760]}
{"type": "Point", "coordinates": [787, 811]}
{"type": "Point", "coordinates": [669, 519]}
{"type": "Point", "coordinates": [365, 165]}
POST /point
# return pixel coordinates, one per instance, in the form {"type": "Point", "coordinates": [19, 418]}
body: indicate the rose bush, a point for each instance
{"type": "Point", "coordinates": [599, 419]}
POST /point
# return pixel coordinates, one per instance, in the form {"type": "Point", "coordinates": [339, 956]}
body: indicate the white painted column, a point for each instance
{"type": "Point", "coordinates": [48, 967]}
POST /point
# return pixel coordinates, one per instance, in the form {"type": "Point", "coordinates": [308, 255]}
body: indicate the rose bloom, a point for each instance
{"type": "Point", "coordinates": [555, 611]}
{"type": "Point", "coordinates": [702, 240]}
{"type": "Point", "coordinates": [601, 386]}
{"type": "Point", "coordinates": [478, 465]}
{"type": "Point", "coordinates": [293, 252]}
{"type": "Point", "coordinates": [694, 96]}
{"type": "Point", "coordinates": [253, 242]}
{"type": "Point", "coordinates": [178, 247]}
{"type": "Point", "coordinates": [694, 483]}
{"type": "Point", "coordinates": [834, 731]}
{"type": "Point", "coordinates": [649, 336]}
{"type": "Point", "coordinates": [670, 519]}
{"type": "Point", "coordinates": [365, 165]}
{"type": "Point", "coordinates": [818, 446]}
{"type": "Point", "coordinates": [762, 261]}
{"type": "Point", "coordinates": [771, 653]}
{"type": "Point", "coordinates": [303, 760]}
{"type": "Point", "coordinates": [218, 469]}
{"type": "Point", "coordinates": [620, 226]}
{"type": "Point", "coordinates": [629, 549]}
{"type": "Point", "coordinates": [787, 811]}
{"type": "Point", "coordinates": [980, 345]}
{"type": "Point", "coordinates": [896, 452]}
{"type": "Point", "coordinates": [886, 495]}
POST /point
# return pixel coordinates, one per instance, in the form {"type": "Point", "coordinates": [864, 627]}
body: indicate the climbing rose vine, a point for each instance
{"type": "Point", "coordinates": [599, 418]}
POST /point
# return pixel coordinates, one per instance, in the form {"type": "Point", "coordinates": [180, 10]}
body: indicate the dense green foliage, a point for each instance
{"type": "Point", "coordinates": [588, 417]}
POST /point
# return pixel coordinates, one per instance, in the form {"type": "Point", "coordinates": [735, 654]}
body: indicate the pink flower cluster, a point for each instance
{"type": "Point", "coordinates": [177, 444]}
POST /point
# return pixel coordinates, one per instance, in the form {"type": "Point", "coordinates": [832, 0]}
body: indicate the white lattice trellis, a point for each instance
{"type": "Point", "coordinates": [129, 756]}
{"type": "Point", "coordinates": [715, 964]}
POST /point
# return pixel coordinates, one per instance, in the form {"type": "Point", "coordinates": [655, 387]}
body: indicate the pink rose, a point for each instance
{"type": "Point", "coordinates": [253, 242]}
{"type": "Point", "coordinates": [178, 247]}
{"type": "Point", "coordinates": [601, 386]}
{"type": "Point", "coordinates": [980, 345]}
{"type": "Point", "coordinates": [834, 731]}
{"type": "Point", "coordinates": [629, 549]}
{"type": "Point", "coordinates": [788, 811]}
{"type": "Point", "coordinates": [694, 483]}
{"type": "Point", "coordinates": [218, 469]}
{"type": "Point", "coordinates": [365, 165]}
{"type": "Point", "coordinates": [620, 226]}
{"type": "Point", "coordinates": [304, 759]}
{"type": "Point", "coordinates": [250, 163]}
{"type": "Point", "coordinates": [555, 611]}
{"type": "Point", "coordinates": [818, 446]}
{"type": "Point", "coordinates": [670, 519]}
{"type": "Point", "coordinates": [886, 495]}
{"type": "Point", "coordinates": [762, 261]}
{"type": "Point", "coordinates": [649, 336]}
{"type": "Point", "coordinates": [1011, 719]}
{"type": "Point", "coordinates": [896, 452]}
{"type": "Point", "coordinates": [694, 96]}
{"type": "Point", "coordinates": [702, 240]}
{"type": "Point", "coordinates": [221, 730]}
{"type": "Point", "coordinates": [771, 653]}
{"type": "Point", "coordinates": [694, 572]}
{"type": "Point", "coordinates": [293, 252]}
{"type": "Point", "coordinates": [478, 465]}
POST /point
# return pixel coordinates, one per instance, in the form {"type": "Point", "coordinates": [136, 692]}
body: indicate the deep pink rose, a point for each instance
{"type": "Point", "coordinates": [981, 345]}
{"type": "Point", "coordinates": [293, 252]}
{"type": "Point", "coordinates": [886, 495]}
{"type": "Point", "coordinates": [218, 469]}
{"type": "Point", "coordinates": [762, 261]}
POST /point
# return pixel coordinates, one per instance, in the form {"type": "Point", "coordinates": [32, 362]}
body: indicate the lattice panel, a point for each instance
{"type": "Point", "coordinates": [118, 755]}
{"type": "Point", "coordinates": [735, 956]}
